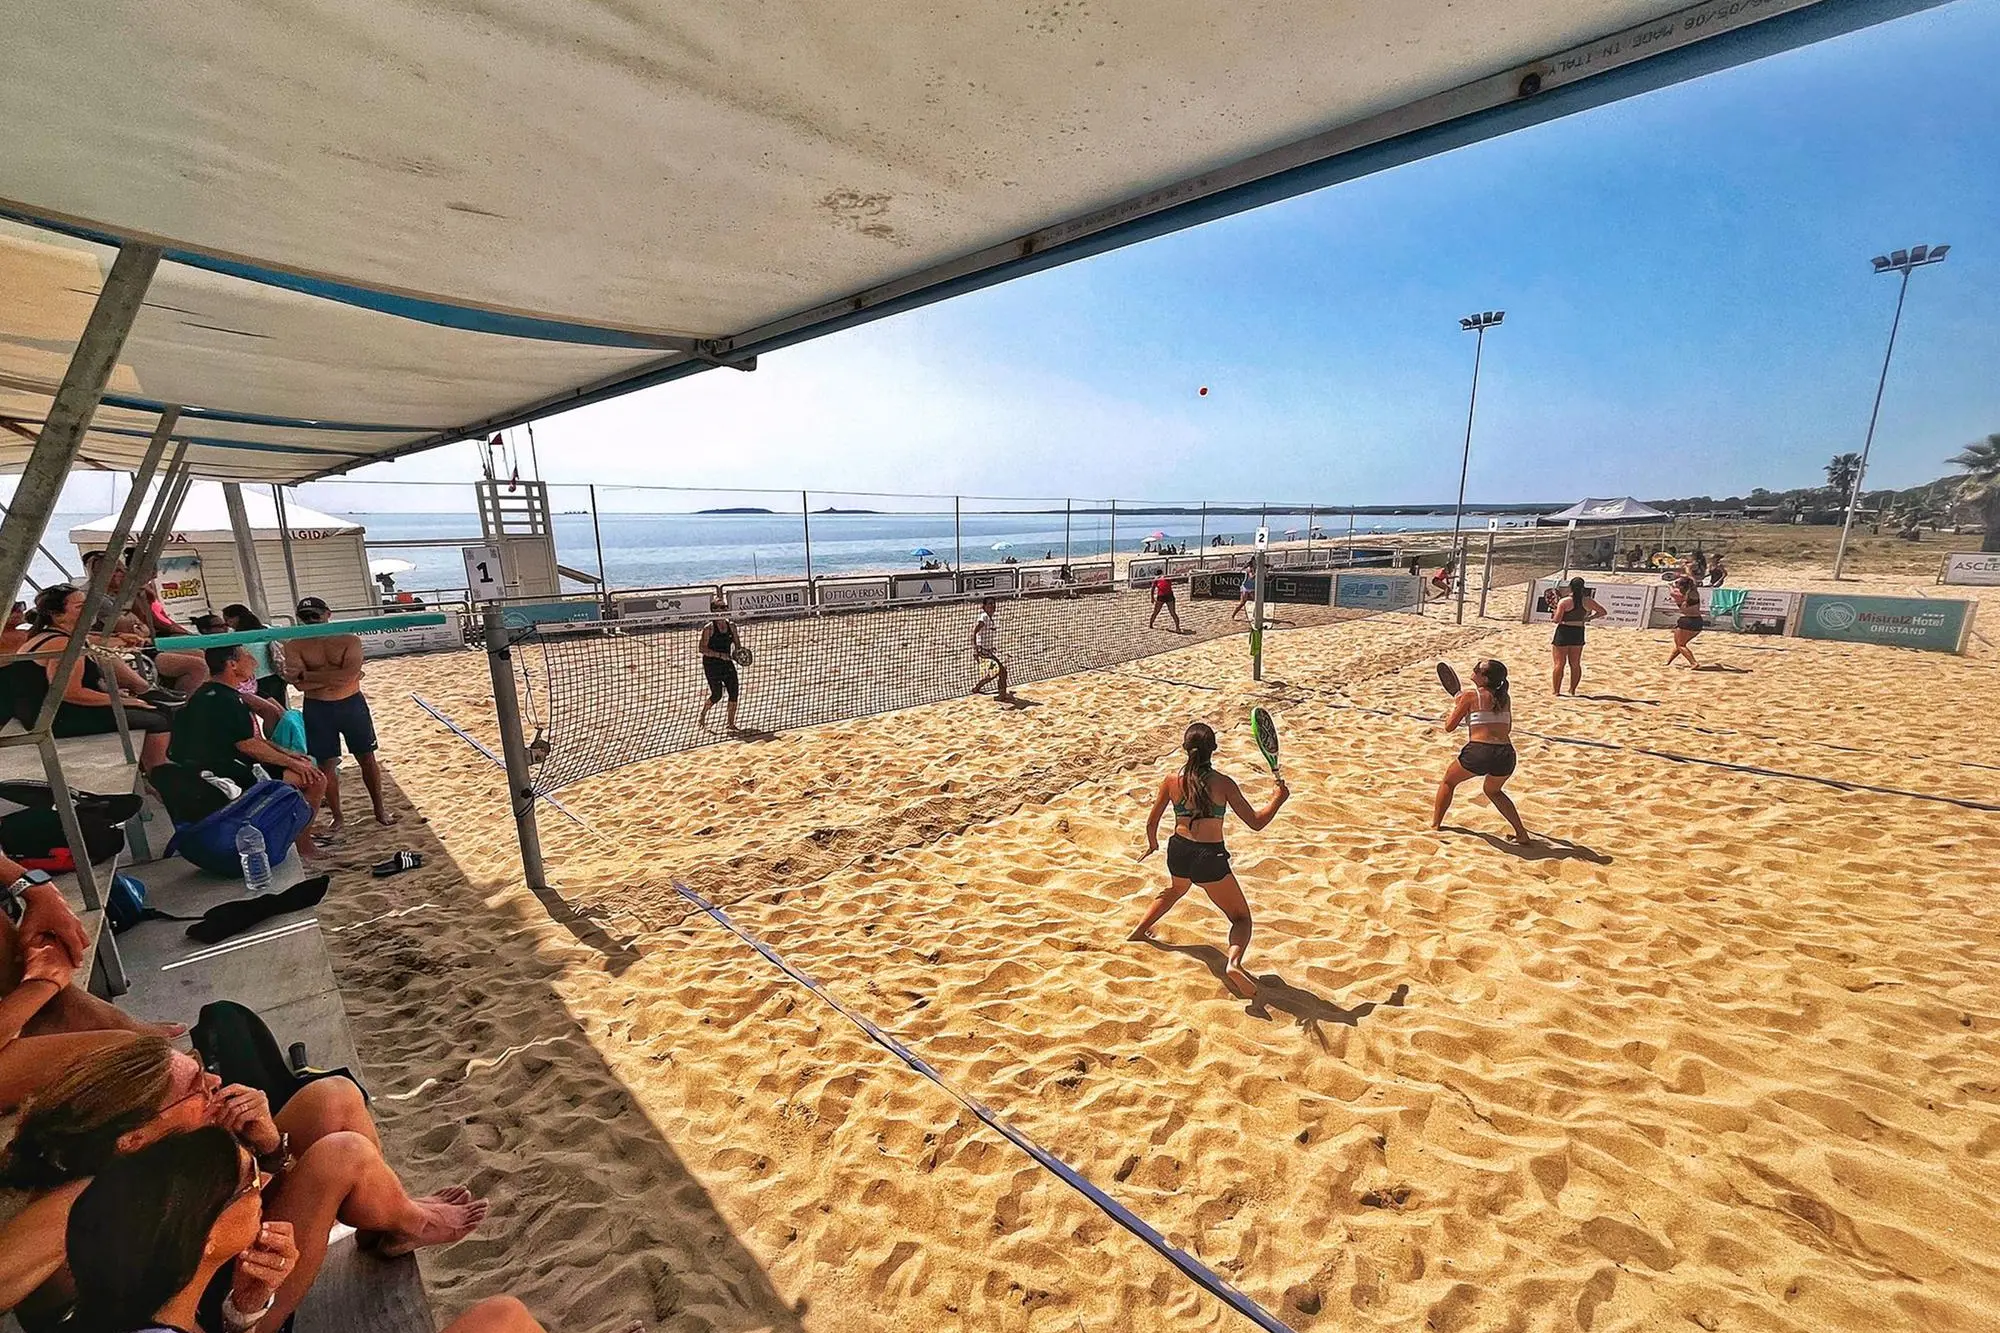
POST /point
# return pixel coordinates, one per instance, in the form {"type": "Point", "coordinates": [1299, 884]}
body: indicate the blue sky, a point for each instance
{"type": "Point", "coordinates": [1690, 310]}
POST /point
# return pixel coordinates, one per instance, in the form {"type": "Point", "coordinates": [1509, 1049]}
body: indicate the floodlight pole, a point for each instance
{"type": "Point", "coordinates": [1476, 325]}
{"type": "Point", "coordinates": [513, 749]}
{"type": "Point", "coordinates": [806, 522]}
{"type": "Point", "coordinates": [1904, 262]}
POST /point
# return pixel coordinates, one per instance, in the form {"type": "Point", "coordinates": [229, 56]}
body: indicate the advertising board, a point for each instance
{"type": "Point", "coordinates": [851, 592]}
{"type": "Point", "coordinates": [1761, 611]}
{"type": "Point", "coordinates": [418, 639]}
{"type": "Point", "coordinates": [525, 614]}
{"type": "Point", "coordinates": [1284, 586]}
{"type": "Point", "coordinates": [669, 606]}
{"type": "Point", "coordinates": [1971, 567]}
{"type": "Point", "coordinates": [1626, 605]}
{"type": "Point", "coordinates": [764, 598]}
{"type": "Point", "coordinates": [1378, 592]}
{"type": "Point", "coordinates": [1141, 573]}
{"type": "Point", "coordinates": [923, 587]}
{"type": "Point", "coordinates": [995, 581]}
{"type": "Point", "coordinates": [1903, 622]}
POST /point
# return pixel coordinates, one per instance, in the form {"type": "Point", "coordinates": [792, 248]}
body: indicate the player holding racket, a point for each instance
{"type": "Point", "coordinates": [718, 661]}
{"type": "Point", "coordinates": [986, 652]}
{"type": "Point", "coordinates": [1488, 716]}
{"type": "Point", "coordinates": [1201, 797]}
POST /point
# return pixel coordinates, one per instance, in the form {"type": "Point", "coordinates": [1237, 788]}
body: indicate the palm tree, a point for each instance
{"type": "Point", "coordinates": [1840, 474]}
{"type": "Point", "coordinates": [1981, 485]}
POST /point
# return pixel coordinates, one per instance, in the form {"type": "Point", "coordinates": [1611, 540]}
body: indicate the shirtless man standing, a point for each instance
{"type": "Point", "coordinates": [328, 672]}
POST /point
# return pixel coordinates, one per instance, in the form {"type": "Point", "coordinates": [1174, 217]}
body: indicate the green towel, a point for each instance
{"type": "Point", "coordinates": [1727, 602]}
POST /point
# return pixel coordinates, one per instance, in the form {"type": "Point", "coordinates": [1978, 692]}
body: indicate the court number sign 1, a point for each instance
{"type": "Point", "coordinates": [483, 579]}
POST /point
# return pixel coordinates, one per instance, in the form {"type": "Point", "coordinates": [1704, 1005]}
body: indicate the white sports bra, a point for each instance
{"type": "Point", "coordinates": [1480, 717]}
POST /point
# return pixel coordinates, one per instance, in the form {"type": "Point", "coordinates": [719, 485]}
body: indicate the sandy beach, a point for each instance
{"type": "Point", "coordinates": [1718, 1054]}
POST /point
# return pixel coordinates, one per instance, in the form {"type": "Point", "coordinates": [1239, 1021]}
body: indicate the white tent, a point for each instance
{"type": "Point", "coordinates": [522, 209]}
{"type": "Point", "coordinates": [1597, 512]}
{"type": "Point", "coordinates": [199, 569]}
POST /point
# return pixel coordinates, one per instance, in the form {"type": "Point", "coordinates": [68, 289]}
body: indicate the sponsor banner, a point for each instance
{"type": "Point", "coordinates": [1180, 566]}
{"type": "Point", "coordinates": [1141, 573]}
{"type": "Point", "coordinates": [1378, 592]}
{"type": "Point", "coordinates": [182, 587]}
{"type": "Point", "coordinates": [1370, 556]}
{"type": "Point", "coordinates": [1298, 589]}
{"type": "Point", "coordinates": [1626, 605]}
{"type": "Point", "coordinates": [1970, 567]}
{"type": "Point", "coordinates": [417, 639]}
{"type": "Point", "coordinates": [1217, 583]}
{"type": "Point", "coordinates": [989, 580]}
{"type": "Point", "coordinates": [1091, 576]}
{"type": "Point", "coordinates": [670, 606]}
{"type": "Point", "coordinates": [756, 598]}
{"type": "Point", "coordinates": [922, 587]}
{"type": "Point", "coordinates": [1905, 622]}
{"type": "Point", "coordinates": [549, 613]}
{"type": "Point", "coordinates": [1762, 611]}
{"type": "Point", "coordinates": [869, 592]}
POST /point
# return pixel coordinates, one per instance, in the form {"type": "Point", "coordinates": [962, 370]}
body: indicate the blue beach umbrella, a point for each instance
{"type": "Point", "coordinates": [922, 551]}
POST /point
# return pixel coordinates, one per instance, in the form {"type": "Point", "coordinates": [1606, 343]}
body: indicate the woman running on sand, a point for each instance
{"type": "Point", "coordinates": [1488, 717]}
{"type": "Point", "coordinates": [1201, 797]}
{"type": "Point", "coordinates": [1572, 614]}
{"type": "Point", "coordinates": [1688, 599]}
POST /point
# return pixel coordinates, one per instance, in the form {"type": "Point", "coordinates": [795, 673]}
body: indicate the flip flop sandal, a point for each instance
{"type": "Point", "coordinates": [397, 864]}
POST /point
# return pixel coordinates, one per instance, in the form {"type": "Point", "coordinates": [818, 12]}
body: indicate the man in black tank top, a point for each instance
{"type": "Point", "coordinates": [718, 662]}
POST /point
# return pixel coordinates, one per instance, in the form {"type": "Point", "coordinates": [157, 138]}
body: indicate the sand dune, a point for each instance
{"type": "Point", "coordinates": [1719, 1055]}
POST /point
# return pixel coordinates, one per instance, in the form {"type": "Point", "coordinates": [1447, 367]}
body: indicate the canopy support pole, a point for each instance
{"type": "Point", "coordinates": [285, 543]}
{"type": "Point", "coordinates": [513, 749]}
{"type": "Point", "coordinates": [160, 521]}
{"type": "Point", "coordinates": [69, 416]}
{"type": "Point", "coordinates": [246, 549]}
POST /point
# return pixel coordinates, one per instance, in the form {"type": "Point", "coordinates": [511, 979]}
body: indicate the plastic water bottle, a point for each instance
{"type": "Point", "coordinates": [256, 859]}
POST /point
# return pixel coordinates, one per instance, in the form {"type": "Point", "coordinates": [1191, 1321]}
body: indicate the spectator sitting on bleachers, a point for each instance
{"type": "Point", "coordinates": [321, 1153]}
{"type": "Point", "coordinates": [149, 1237]}
{"type": "Point", "coordinates": [46, 1022]}
{"type": "Point", "coordinates": [85, 709]}
{"type": "Point", "coordinates": [214, 733]}
{"type": "Point", "coordinates": [144, 622]}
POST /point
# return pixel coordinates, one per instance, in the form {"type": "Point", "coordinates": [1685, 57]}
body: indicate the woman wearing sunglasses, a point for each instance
{"type": "Point", "coordinates": [321, 1152]}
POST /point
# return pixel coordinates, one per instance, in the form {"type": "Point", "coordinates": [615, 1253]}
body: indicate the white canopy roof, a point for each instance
{"type": "Point", "coordinates": [398, 225]}
{"type": "Point", "coordinates": [1624, 510]}
{"type": "Point", "coordinates": [204, 517]}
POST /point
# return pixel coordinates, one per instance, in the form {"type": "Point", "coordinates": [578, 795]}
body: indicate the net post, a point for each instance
{"type": "Point", "coordinates": [806, 522]}
{"type": "Point", "coordinates": [1201, 543]}
{"type": "Point", "coordinates": [957, 540]}
{"type": "Point", "coordinates": [1114, 544]}
{"type": "Point", "coordinates": [1486, 575]}
{"type": "Point", "coordinates": [1257, 617]}
{"type": "Point", "coordinates": [597, 535]}
{"type": "Point", "coordinates": [513, 749]}
{"type": "Point", "coordinates": [1066, 510]}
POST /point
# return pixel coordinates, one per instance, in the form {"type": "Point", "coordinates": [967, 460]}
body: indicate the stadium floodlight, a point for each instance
{"type": "Point", "coordinates": [1904, 262]}
{"type": "Point", "coordinates": [1476, 324]}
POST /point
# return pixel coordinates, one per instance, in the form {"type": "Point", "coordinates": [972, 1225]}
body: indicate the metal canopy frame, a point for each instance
{"type": "Point", "coordinates": [1692, 41]}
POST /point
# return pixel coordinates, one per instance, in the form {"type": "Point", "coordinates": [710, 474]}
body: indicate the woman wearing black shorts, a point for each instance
{"type": "Point", "coordinates": [718, 662]}
{"type": "Point", "coordinates": [1488, 717]}
{"type": "Point", "coordinates": [1572, 614]}
{"type": "Point", "coordinates": [1196, 853]}
{"type": "Point", "coordinates": [1688, 599]}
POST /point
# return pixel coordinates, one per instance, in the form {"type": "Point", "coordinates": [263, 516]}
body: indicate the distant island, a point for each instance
{"type": "Point", "coordinates": [832, 510]}
{"type": "Point", "coordinates": [740, 509]}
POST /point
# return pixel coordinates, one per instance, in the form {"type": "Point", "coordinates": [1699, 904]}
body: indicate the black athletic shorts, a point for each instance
{"type": "Point", "coordinates": [1202, 862]}
{"type": "Point", "coordinates": [97, 720]}
{"type": "Point", "coordinates": [1484, 759]}
{"type": "Point", "coordinates": [1569, 636]}
{"type": "Point", "coordinates": [1692, 624]}
{"type": "Point", "coordinates": [330, 721]}
{"type": "Point", "coordinates": [721, 677]}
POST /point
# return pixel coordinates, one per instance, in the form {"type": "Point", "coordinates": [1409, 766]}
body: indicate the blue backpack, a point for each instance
{"type": "Point", "coordinates": [278, 811]}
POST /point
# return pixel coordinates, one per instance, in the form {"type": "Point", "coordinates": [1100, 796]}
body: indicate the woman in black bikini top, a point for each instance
{"type": "Point", "coordinates": [1688, 598]}
{"type": "Point", "coordinates": [1573, 612]}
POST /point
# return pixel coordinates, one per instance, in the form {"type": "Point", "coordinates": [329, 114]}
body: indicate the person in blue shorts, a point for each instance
{"type": "Point", "coordinates": [328, 672]}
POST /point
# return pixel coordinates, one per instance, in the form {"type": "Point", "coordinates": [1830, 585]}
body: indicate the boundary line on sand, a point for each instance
{"type": "Point", "coordinates": [1758, 770]}
{"type": "Point", "coordinates": [1193, 1268]}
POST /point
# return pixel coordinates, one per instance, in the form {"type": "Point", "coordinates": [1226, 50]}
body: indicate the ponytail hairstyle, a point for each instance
{"type": "Point", "coordinates": [71, 1128]}
{"type": "Point", "coordinates": [49, 604]}
{"type": "Point", "coordinates": [1495, 672]}
{"type": "Point", "coordinates": [1578, 590]}
{"type": "Point", "coordinates": [137, 1234]}
{"type": "Point", "coordinates": [1199, 744]}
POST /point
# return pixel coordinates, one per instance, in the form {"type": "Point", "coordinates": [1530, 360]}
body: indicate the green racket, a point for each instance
{"type": "Point", "coordinates": [989, 671]}
{"type": "Point", "coordinates": [1266, 732]}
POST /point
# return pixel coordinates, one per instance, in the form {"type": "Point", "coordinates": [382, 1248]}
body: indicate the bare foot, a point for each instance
{"type": "Point", "coordinates": [385, 817]}
{"type": "Point", "coordinates": [332, 828]}
{"type": "Point", "coordinates": [443, 1218]}
{"type": "Point", "coordinates": [1141, 936]}
{"type": "Point", "coordinates": [1523, 838]}
{"type": "Point", "coordinates": [1241, 982]}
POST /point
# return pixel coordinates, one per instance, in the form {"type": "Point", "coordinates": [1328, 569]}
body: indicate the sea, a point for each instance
{"type": "Point", "coordinates": [653, 550]}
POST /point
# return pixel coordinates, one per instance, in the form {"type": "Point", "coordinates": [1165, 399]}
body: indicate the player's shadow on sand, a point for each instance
{"type": "Point", "coordinates": [1616, 699]}
{"type": "Point", "coordinates": [1306, 1008]}
{"type": "Point", "coordinates": [1725, 668]}
{"type": "Point", "coordinates": [1546, 847]}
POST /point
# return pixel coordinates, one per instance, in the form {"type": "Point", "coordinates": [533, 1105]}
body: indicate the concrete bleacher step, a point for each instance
{"type": "Point", "coordinates": [281, 970]}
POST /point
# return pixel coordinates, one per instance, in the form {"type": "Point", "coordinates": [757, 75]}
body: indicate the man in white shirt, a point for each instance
{"type": "Point", "coordinates": [986, 653]}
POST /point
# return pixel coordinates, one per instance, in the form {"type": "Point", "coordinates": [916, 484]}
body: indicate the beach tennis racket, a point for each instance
{"type": "Point", "coordinates": [989, 671]}
{"type": "Point", "coordinates": [743, 657]}
{"type": "Point", "coordinates": [1448, 678]}
{"type": "Point", "coordinates": [1266, 732]}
